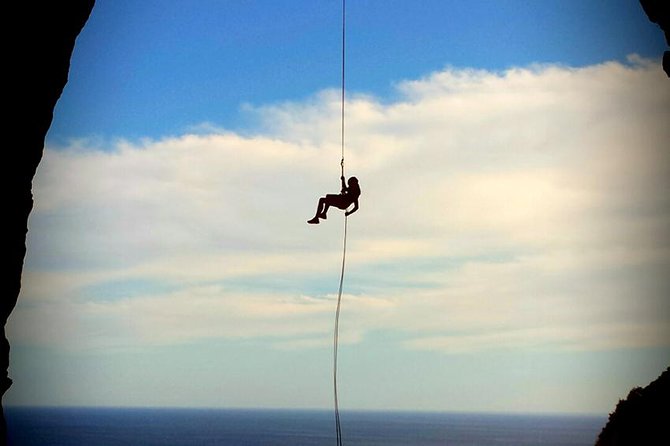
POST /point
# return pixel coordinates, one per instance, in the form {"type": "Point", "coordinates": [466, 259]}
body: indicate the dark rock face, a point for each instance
{"type": "Point", "coordinates": [36, 60]}
{"type": "Point", "coordinates": [657, 11]}
{"type": "Point", "coordinates": [642, 418]}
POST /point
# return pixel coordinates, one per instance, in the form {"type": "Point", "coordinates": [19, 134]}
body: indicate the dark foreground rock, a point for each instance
{"type": "Point", "coordinates": [642, 418]}
{"type": "Point", "coordinates": [38, 44]}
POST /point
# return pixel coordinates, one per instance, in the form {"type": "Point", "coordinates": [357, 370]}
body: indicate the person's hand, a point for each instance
{"type": "Point", "coordinates": [342, 178]}
{"type": "Point", "coordinates": [346, 214]}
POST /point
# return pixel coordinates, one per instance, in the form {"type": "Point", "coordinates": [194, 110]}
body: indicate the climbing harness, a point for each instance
{"type": "Point", "coordinates": [336, 334]}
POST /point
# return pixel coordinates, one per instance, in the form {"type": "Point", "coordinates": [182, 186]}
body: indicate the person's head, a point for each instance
{"type": "Point", "coordinates": [352, 181]}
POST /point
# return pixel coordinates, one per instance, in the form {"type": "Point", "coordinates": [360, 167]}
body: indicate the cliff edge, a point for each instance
{"type": "Point", "coordinates": [642, 418]}
{"type": "Point", "coordinates": [658, 12]}
{"type": "Point", "coordinates": [36, 56]}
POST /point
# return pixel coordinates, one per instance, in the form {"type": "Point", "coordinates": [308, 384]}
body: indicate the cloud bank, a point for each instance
{"type": "Point", "coordinates": [524, 209]}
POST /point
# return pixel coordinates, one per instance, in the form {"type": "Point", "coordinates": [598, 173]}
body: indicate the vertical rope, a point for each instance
{"type": "Point", "coordinates": [338, 426]}
{"type": "Point", "coordinates": [342, 102]}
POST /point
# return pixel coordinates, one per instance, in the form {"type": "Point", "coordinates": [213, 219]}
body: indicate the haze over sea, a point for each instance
{"type": "Point", "coordinates": [185, 427]}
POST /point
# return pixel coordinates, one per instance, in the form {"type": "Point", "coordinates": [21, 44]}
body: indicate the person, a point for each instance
{"type": "Point", "coordinates": [348, 196]}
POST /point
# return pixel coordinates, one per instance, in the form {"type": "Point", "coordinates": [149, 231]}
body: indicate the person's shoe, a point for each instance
{"type": "Point", "coordinates": [314, 221]}
{"type": "Point", "coordinates": [323, 216]}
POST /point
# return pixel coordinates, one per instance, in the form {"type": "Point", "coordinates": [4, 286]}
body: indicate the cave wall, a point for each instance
{"type": "Point", "coordinates": [37, 55]}
{"type": "Point", "coordinates": [657, 12]}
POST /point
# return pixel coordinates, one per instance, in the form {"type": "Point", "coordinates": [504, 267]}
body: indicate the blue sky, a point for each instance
{"type": "Point", "coordinates": [510, 253]}
{"type": "Point", "coordinates": [169, 65]}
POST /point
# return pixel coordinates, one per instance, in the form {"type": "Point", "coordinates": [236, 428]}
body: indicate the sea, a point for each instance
{"type": "Point", "coordinates": [191, 427]}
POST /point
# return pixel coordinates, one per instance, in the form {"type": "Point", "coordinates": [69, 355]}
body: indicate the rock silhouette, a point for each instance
{"type": "Point", "coordinates": [642, 418]}
{"type": "Point", "coordinates": [657, 11]}
{"type": "Point", "coordinates": [37, 55]}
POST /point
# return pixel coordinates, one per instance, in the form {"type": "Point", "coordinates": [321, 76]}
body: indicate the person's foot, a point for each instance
{"type": "Point", "coordinates": [323, 216]}
{"type": "Point", "coordinates": [314, 221]}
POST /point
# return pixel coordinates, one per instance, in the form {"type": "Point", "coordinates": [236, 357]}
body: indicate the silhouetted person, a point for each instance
{"type": "Point", "coordinates": [348, 196]}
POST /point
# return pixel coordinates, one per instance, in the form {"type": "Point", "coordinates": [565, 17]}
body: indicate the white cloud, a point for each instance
{"type": "Point", "coordinates": [521, 209]}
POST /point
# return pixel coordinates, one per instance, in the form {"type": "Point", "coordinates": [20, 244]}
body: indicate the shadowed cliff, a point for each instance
{"type": "Point", "coordinates": [36, 60]}
{"type": "Point", "coordinates": [642, 418]}
{"type": "Point", "coordinates": [657, 11]}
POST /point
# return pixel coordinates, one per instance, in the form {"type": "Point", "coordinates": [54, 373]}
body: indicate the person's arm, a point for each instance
{"type": "Point", "coordinates": [344, 185]}
{"type": "Point", "coordinates": [354, 209]}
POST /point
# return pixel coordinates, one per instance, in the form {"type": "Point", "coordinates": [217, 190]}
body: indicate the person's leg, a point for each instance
{"type": "Point", "coordinates": [319, 211]}
{"type": "Point", "coordinates": [327, 201]}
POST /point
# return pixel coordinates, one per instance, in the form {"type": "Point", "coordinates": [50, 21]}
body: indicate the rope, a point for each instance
{"type": "Point", "coordinates": [338, 426]}
{"type": "Point", "coordinates": [344, 27]}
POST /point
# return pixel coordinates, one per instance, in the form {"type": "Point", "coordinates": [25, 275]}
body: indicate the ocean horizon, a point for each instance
{"type": "Point", "coordinates": [106, 426]}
